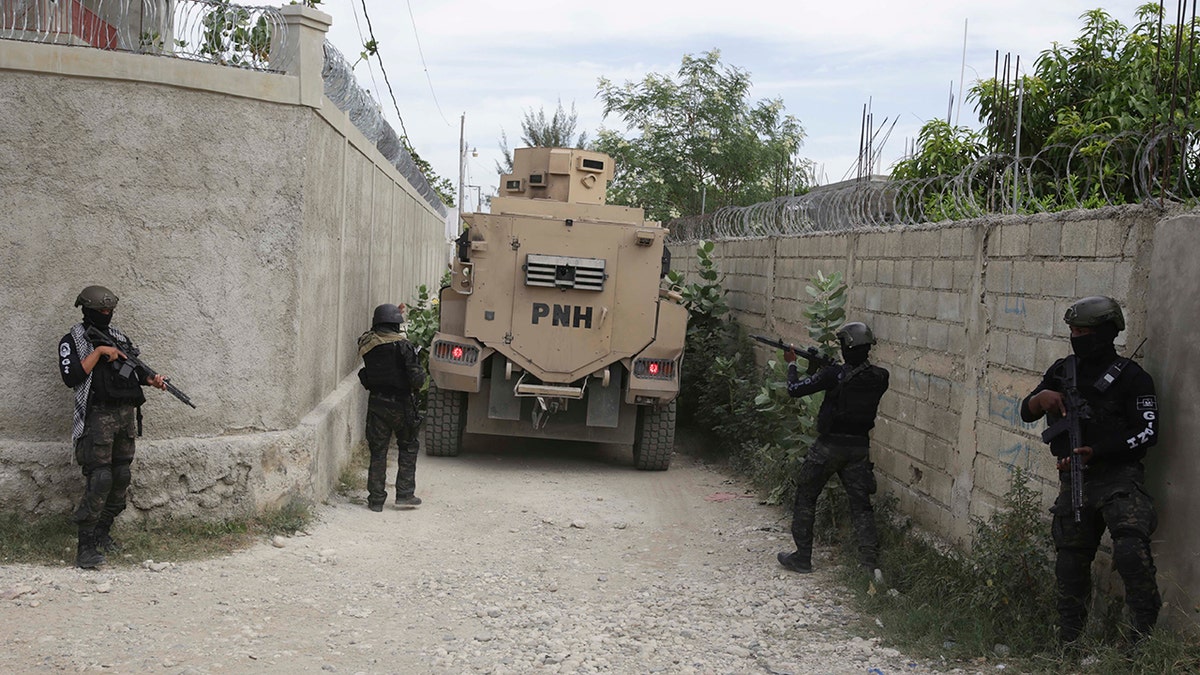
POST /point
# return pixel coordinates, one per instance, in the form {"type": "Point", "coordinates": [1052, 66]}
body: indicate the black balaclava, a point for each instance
{"type": "Point", "coordinates": [855, 355]}
{"type": "Point", "coordinates": [96, 318]}
{"type": "Point", "coordinates": [386, 328]}
{"type": "Point", "coordinates": [1097, 344]}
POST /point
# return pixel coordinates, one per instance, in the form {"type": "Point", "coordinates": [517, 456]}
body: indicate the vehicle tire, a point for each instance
{"type": "Point", "coordinates": [655, 438]}
{"type": "Point", "coordinates": [444, 421]}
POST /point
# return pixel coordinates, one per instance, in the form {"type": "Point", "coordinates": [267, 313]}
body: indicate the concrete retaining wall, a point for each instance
{"type": "Point", "coordinates": [968, 316]}
{"type": "Point", "coordinates": [248, 228]}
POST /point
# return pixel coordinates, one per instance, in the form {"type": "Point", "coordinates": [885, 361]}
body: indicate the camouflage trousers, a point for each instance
{"type": "Point", "coordinates": [104, 453]}
{"type": "Point", "coordinates": [852, 464]}
{"type": "Point", "coordinates": [1113, 499]}
{"type": "Point", "coordinates": [388, 417]}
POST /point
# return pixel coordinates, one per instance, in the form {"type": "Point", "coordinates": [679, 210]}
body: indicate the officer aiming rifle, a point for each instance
{"type": "Point", "coordinates": [129, 364]}
{"type": "Point", "coordinates": [810, 354]}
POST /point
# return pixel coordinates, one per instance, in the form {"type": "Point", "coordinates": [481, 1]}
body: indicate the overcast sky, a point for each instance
{"type": "Point", "coordinates": [493, 61]}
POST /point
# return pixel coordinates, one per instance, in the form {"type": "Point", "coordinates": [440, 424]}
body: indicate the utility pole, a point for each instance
{"type": "Point", "coordinates": [462, 154]}
{"type": "Point", "coordinates": [962, 71]}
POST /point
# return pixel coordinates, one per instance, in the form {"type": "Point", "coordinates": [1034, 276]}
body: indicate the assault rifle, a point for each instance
{"type": "Point", "coordinates": [1078, 410]}
{"type": "Point", "coordinates": [810, 354]}
{"type": "Point", "coordinates": [126, 367]}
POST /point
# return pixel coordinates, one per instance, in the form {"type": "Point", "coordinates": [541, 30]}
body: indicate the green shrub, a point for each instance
{"type": "Point", "coordinates": [1001, 592]}
{"type": "Point", "coordinates": [422, 319]}
{"type": "Point", "coordinates": [788, 426]}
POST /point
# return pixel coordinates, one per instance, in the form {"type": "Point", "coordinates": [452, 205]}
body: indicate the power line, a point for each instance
{"type": "Point", "coordinates": [365, 54]}
{"type": "Point", "coordinates": [423, 65]}
{"type": "Point", "coordinates": [371, 32]}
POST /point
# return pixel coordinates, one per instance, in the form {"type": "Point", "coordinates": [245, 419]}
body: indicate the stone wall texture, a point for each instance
{"type": "Point", "coordinates": [968, 316]}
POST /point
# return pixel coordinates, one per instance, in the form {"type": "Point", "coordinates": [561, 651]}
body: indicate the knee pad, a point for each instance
{"type": "Point", "coordinates": [101, 479]}
{"type": "Point", "coordinates": [121, 477]}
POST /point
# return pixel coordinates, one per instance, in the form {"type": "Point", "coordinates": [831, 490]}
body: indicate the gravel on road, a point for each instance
{"type": "Point", "coordinates": [520, 560]}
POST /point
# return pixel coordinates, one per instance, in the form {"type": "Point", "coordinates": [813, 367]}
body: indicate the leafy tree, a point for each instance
{"type": "Point", "coordinates": [1089, 101]}
{"type": "Point", "coordinates": [539, 132]}
{"type": "Point", "coordinates": [942, 150]}
{"type": "Point", "coordinates": [699, 139]}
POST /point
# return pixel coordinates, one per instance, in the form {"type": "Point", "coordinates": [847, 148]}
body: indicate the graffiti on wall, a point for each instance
{"type": "Point", "coordinates": [1007, 409]}
{"type": "Point", "coordinates": [1014, 304]}
{"type": "Point", "coordinates": [1023, 455]}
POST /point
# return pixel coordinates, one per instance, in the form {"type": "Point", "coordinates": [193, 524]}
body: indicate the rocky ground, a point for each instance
{"type": "Point", "coordinates": [544, 559]}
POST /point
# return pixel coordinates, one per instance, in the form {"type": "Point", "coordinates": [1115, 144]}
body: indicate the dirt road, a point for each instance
{"type": "Point", "coordinates": [522, 559]}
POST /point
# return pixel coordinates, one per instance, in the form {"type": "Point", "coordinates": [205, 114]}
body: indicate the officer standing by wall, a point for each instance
{"type": "Point", "coordinates": [107, 410]}
{"type": "Point", "coordinates": [392, 373]}
{"type": "Point", "coordinates": [847, 415]}
{"type": "Point", "coordinates": [1123, 425]}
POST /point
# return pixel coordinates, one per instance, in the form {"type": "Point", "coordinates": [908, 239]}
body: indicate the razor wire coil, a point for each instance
{"type": "Point", "coordinates": [215, 31]}
{"type": "Point", "coordinates": [1162, 165]}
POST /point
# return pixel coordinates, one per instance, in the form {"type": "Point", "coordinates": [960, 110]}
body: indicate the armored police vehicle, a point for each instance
{"type": "Point", "coordinates": [556, 323]}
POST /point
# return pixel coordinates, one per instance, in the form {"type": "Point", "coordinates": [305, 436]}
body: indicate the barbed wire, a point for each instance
{"type": "Point", "coordinates": [1162, 165]}
{"type": "Point", "coordinates": [215, 31]}
{"type": "Point", "coordinates": [343, 89]}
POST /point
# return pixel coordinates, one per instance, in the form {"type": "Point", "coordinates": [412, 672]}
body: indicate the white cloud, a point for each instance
{"type": "Point", "coordinates": [494, 61]}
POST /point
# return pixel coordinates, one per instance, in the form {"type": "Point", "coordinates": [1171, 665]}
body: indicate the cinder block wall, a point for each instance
{"type": "Point", "coordinates": [968, 316]}
{"type": "Point", "coordinates": [248, 228]}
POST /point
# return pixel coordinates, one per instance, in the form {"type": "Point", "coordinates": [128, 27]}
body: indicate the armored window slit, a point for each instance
{"type": "Point", "coordinates": [554, 271]}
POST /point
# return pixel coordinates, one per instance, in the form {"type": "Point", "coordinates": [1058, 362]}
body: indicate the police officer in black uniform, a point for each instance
{"type": "Point", "coordinates": [107, 407]}
{"type": "Point", "coordinates": [847, 415]}
{"type": "Point", "coordinates": [1123, 426]}
{"type": "Point", "coordinates": [392, 373]}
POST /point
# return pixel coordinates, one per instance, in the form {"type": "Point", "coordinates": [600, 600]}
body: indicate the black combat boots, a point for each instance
{"type": "Point", "coordinates": [104, 541]}
{"type": "Point", "coordinates": [795, 563]}
{"type": "Point", "coordinates": [409, 502]}
{"type": "Point", "coordinates": [86, 555]}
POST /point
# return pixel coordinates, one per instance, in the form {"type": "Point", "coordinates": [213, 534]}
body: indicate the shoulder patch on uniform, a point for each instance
{"type": "Point", "coordinates": [1147, 403]}
{"type": "Point", "coordinates": [64, 349]}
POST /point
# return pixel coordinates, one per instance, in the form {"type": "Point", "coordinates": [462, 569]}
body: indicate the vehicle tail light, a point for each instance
{"type": "Point", "coordinates": [453, 352]}
{"type": "Point", "coordinates": [655, 369]}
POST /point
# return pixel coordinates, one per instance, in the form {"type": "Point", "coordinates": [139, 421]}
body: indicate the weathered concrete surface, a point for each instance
{"type": "Point", "coordinates": [1172, 352]}
{"type": "Point", "coordinates": [248, 235]}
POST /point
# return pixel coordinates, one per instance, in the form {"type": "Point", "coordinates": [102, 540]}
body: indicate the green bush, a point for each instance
{"type": "Point", "coordinates": [422, 319]}
{"type": "Point", "coordinates": [961, 604]}
{"type": "Point", "coordinates": [788, 426]}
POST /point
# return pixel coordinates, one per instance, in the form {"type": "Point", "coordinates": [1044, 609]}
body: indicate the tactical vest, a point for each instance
{"type": "Point", "coordinates": [1108, 412]}
{"type": "Point", "coordinates": [383, 369]}
{"type": "Point", "coordinates": [855, 401]}
{"type": "Point", "coordinates": [109, 387]}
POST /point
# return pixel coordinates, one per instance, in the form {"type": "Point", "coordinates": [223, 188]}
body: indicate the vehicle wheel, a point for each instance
{"type": "Point", "coordinates": [444, 421]}
{"type": "Point", "coordinates": [655, 439]}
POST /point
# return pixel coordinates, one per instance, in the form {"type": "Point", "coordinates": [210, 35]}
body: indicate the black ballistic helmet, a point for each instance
{"type": "Point", "coordinates": [855, 334]}
{"type": "Point", "coordinates": [387, 314]}
{"type": "Point", "coordinates": [1094, 311]}
{"type": "Point", "coordinates": [96, 297]}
